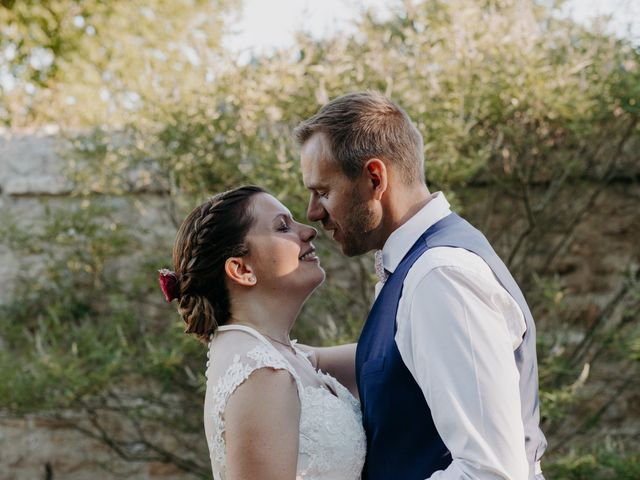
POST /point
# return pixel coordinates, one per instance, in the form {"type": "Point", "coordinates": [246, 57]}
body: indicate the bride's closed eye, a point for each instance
{"type": "Point", "coordinates": [283, 226]}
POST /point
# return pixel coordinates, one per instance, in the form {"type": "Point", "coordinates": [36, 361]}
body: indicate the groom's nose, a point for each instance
{"type": "Point", "coordinates": [315, 211]}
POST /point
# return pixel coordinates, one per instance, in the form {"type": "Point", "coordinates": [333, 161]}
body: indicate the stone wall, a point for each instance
{"type": "Point", "coordinates": [32, 449]}
{"type": "Point", "coordinates": [29, 169]}
{"type": "Point", "coordinates": [30, 182]}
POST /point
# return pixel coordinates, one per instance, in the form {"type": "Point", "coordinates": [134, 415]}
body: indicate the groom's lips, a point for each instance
{"type": "Point", "coordinates": [330, 228]}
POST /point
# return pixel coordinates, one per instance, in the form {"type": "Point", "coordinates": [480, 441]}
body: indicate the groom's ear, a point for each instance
{"type": "Point", "coordinates": [377, 177]}
{"type": "Point", "coordinates": [239, 271]}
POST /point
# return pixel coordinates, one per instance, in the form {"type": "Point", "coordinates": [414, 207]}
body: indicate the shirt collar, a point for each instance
{"type": "Point", "coordinates": [403, 238]}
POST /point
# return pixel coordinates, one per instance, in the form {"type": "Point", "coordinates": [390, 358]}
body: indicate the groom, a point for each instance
{"type": "Point", "coordinates": [446, 363]}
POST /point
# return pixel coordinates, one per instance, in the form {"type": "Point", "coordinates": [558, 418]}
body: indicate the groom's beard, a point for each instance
{"type": "Point", "coordinates": [358, 227]}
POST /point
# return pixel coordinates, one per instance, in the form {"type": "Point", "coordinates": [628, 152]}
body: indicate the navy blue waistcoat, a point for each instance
{"type": "Point", "coordinates": [402, 440]}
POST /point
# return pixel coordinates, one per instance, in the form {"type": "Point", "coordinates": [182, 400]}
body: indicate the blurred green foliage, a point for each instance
{"type": "Point", "coordinates": [602, 464]}
{"type": "Point", "coordinates": [82, 62]}
{"type": "Point", "coordinates": [521, 109]}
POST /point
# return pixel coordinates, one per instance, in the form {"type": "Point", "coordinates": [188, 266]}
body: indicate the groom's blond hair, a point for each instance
{"type": "Point", "coordinates": [364, 125]}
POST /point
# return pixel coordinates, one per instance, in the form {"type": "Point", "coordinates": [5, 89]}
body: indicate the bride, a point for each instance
{"type": "Point", "coordinates": [243, 269]}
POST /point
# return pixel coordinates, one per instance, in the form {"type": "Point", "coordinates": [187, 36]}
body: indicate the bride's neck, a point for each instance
{"type": "Point", "coordinates": [273, 316]}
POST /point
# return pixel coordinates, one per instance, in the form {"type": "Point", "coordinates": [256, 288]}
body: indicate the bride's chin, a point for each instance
{"type": "Point", "coordinates": [317, 280]}
{"type": "Point", "coordinates": [322, 276]}
{"type": "Point", "coordinates": [302, 286]}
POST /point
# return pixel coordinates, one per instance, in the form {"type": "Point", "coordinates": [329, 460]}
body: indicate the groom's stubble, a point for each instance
{"type": "Point", "coordinates": [358, 227]}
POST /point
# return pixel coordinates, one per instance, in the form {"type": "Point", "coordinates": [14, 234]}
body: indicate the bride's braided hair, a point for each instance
{"type": "Point", "coordinates": [212, 232]}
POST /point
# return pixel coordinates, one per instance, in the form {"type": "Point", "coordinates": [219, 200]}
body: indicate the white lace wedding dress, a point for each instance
{"type": "Point", "coordinates": [332, 442]}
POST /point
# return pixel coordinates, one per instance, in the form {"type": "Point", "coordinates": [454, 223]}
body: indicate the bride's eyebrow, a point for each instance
{"type": "Point", "coordinates": [283, 216]}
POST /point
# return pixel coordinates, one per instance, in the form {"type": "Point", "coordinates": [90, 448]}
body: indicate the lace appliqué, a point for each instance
{"type": "Point", "coordinates": [332, 442]}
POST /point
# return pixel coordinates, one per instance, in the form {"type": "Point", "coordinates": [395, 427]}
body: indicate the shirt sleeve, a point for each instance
{"type": "Point", "coordinates": [456, 342]}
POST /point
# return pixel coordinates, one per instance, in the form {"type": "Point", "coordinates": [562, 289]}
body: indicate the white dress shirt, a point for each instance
{"type": "Point", "coordinates": [457, 329]}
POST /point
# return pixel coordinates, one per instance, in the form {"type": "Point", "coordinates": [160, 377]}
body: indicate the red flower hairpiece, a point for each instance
{"type": "Point", "coordinates": [168, 284]}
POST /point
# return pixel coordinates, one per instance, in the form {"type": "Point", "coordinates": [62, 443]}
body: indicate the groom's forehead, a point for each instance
{"type": "Point", "coordinates": [318, 167]}
{"type": "Point", "coordinates": [319, 179]}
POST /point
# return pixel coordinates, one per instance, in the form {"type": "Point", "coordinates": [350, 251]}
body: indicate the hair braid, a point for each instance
{"type": "Point", "coordinates": [212, 232]}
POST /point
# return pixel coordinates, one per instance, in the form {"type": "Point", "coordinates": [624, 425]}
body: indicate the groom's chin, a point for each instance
{"type": "Point", "coordinates": [345, 246]}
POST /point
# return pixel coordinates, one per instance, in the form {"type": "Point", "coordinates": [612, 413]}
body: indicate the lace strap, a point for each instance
{"type": "Point", "coordinates": [249, 330]}
{"type": "Point", "coordinates": [287, 366]}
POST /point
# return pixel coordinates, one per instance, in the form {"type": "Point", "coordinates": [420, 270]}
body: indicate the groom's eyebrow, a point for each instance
{"type": "Point", "coordinates": [316, 186]}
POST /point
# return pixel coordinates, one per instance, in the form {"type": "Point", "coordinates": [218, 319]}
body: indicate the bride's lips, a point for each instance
{"type": "Point", "coordinates": [309, 255]}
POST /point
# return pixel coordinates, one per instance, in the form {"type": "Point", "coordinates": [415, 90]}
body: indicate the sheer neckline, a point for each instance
{"type": "Point", "coordinates": [250, 330]}
{"type": "Point", "coordinates": [321, 376]}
